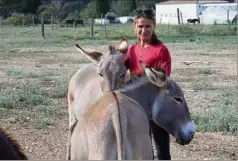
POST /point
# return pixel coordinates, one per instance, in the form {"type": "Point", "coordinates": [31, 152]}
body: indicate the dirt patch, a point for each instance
{"type": "Point", "coordinates": [51, 144]}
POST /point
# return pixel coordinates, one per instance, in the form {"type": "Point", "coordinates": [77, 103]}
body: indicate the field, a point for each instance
{"type": "Point", "coordinates": [34, 75]}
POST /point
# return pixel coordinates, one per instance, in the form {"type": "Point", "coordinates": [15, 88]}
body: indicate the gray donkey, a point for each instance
{"type": "Point", "coordinates": [106, 73]}
{"type": "Point", "coordinates": [117, 125]}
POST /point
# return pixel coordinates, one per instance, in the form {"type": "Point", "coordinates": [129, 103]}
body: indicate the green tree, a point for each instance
{"type": "Point", "coordinates": [90, 11]}
{"type": "Point", "coordinates": [102, 7]}
{"type": "Point", "coordinates": [31, 5]}
{"type": "Point", "coordinates": [124, 7]}
{"type": "Point", "coordinates": [57, 9]}
{"type": "Point", "coordinates": [8, 6]}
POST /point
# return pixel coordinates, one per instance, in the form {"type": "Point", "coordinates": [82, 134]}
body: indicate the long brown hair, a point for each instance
{"type": "Point", "coordinates": [154, 38]}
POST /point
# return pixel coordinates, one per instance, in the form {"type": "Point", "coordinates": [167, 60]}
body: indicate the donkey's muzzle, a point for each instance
{"type": "Point", "coordinates": [185, 139]}
{"type": "Point", "coordinates": [186, 135]}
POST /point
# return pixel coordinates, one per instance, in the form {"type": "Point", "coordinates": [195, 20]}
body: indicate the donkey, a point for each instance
{"type": "Point", "coordinates": [107, 72]}
{"type": "Point", "coordinates": [117, 125]}
{"type": "Point", "coordinates": [193, 21]}
{"type": "Point", "coordinates": [9, 148]}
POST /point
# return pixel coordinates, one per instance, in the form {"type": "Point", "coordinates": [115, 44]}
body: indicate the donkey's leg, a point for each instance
{"type": "Point", "coordinates": [72, 123]}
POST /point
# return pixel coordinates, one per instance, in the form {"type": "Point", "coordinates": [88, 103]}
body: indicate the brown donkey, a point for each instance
{"type": "Point", "coordinates": [106, 73]}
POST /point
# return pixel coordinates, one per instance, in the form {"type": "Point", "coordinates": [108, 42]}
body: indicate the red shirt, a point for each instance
{"type": "Point", "coordinates": [156, 56]}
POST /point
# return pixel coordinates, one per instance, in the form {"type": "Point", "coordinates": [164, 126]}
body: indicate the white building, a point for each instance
{"type": "Point", "coordinates": [125, 19]}
{"type": "Point", "coordinates": [102, 21]}
{"type": "Point", "coordinates": [166, 12]}
{"type": "Point", "coordinates": [218, 13]}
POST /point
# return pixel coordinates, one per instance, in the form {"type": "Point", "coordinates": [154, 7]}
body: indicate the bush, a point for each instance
{"type": "Point", "coordinates": [18, 19]}
{"type": "Point", "coordinates": [110, 16]}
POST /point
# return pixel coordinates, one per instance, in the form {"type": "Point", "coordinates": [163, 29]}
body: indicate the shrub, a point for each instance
{"type": "Point", "coordinates": [110, 16]}
{"type": "Point", "coordinates": [18, 19]}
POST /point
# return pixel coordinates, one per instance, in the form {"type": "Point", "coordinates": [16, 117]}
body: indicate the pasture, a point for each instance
{"type": "Point", "coordinates": [34, 76]}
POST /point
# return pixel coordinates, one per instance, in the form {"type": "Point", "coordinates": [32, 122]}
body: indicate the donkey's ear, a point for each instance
{"type": "Point", "coordinates": [123, 45]}
{"type": "Point", "coordinates": [156, 77]}
{"type": "Point", "coordinates": [111, 48]}
{"type": "Point", "coordinates": [94, 56]}
{"type": "Point", "coordinates": [143, 66]}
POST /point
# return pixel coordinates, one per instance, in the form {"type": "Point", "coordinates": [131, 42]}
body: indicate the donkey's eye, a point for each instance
{"type": "Point", "coordinates": [178, 99]}
{"type": "Point", "coordinates": [123, 75]}
{"type": "Point", "coordinates": [100, 74]}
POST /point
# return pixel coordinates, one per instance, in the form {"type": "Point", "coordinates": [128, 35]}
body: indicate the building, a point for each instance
{"type": "Point", "coordinates": [166, 12]}
{"type": "Point", "coordinates": [125, 19]}
{"type": "Point", "coordinates": [218, 13]}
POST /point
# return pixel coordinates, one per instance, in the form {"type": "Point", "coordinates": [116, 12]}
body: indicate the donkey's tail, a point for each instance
{"type": "Point", "coordinates": [119, 132]}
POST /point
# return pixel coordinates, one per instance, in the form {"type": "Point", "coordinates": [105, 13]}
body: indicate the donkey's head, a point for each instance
{"type": "Point", "coordinates": [170, 109]}
{"type": "Point", "coordinates": [110, 65]}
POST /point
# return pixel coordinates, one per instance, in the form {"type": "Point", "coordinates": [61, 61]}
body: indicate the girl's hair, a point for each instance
{"type": "Point", "coordinates": [154, 38]}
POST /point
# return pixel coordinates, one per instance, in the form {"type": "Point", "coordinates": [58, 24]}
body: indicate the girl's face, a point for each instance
{"type": "Point", "coordinates": [144, 28]}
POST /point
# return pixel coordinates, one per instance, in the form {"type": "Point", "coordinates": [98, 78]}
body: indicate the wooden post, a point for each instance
{"type": "Point", "coordinates": [52, 23]}
{"type": "Point", "coordinates": [105, 29]}
{"type": "Point", "coordinates": [181, 17]}
{"type": "Point", "coordinates": [178, 19]}
{"type": "Point", "coordinates": [101, 20]}
{"type": "Point", "coordinates": [1, 20]}
{"type": "Point", "coordinates": [228, 21]}
{"type": "Point", "coordinates": [178, 16]}
{"type": "Point", "coordinates": [42, 26]}
{"type": "Point", "coordinates": [33, 21]}
{"type": "Point", "coordinates": [91, 28]}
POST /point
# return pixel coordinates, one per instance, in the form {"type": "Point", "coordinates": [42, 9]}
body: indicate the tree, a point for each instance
{"type": "Point", "coordinates": [123, 8]}
{"type": "Point", "coordinates": [57, 9]}
{"type": "Point", "coordinates": [31, 5]}
{"type": "Point", "coordinates": [90, 11]}
{"type": "Point", "coordinates": [9, 6]}
{"type": "Point", "coordinates": [102, 7]}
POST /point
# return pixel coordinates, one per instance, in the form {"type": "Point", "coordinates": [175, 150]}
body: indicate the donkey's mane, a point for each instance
{"type": "Point", "coordinates": [14, 144]}
{"type": "Point", "coordinates": [134, 83]}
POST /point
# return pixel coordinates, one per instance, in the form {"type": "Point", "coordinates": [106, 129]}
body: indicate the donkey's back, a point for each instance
{"type": "Point", "coordinates": [115, 127]}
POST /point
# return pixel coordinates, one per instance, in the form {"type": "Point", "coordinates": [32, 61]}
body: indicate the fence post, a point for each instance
{"type": "Point", "coordinates": [105, 29]}
{"type": "Point", "coordinates": [228, 21]}
{"type": "Point", "coordinates": [181, 15]}
{"type": "Point", "coordinates": [178, 15]}
{"type": "Point", "coordinates": [1, 20]}
{"type": "Point", "coordinates": [42, 26]}
{"type": "Point", "coordinates": [33, 21]}
{"type": "Point", "coordinates": [52, 24]}
{"type": "Point", "coordinates": [101, 20]}
{"type": "Point", "coordinates": [91, 28]}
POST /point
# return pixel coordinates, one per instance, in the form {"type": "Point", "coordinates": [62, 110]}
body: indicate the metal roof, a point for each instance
{"type": "Point", "coordinates": [191, 2]}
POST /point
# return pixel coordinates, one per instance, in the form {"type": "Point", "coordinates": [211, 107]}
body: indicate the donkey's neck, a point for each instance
{"type": "Point", "coordinates": [142, 91]}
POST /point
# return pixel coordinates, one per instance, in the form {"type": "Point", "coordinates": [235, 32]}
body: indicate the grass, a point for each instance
{"type": "Point", "coordinates": [61, 90]}
{"type": "Point", "coordinates": [8, 100]}
{"type": "Point", "coordinates": [222, 117]}
{"type": "Point", "coordinates": [28, 37]}
{"type": "Point", "coordinates": [206, 71]}
{"type": "Point", "coordinates": [203, 85]}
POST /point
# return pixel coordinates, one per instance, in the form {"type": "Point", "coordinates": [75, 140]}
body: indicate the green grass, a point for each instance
{"type": "Point", "coordinates": [203, 86]}
{"type": "Point", "coordinates": [222, 117]}
{"type": "Point", "coordinates": [60, 90]}
{"type": "Point", "coordinates": [206, 71]}
{"type": "Point", "coordinates": [26, 37]}
{"type": "Point", "coordinates": [15, 72]}
{"type": "Point", "coordinates": [8, 99]}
